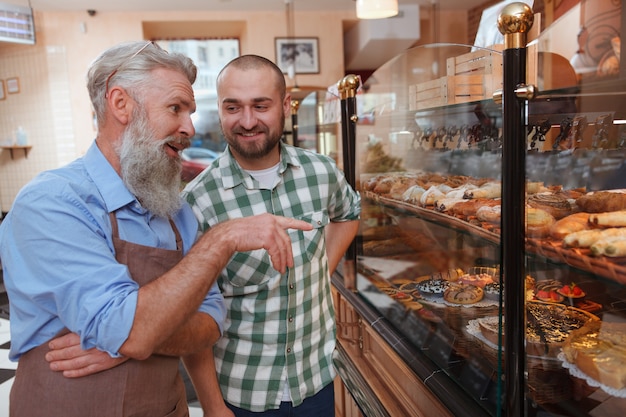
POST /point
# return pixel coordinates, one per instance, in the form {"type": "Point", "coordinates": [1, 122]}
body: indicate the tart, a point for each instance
{"type": "Point", "coordinates": [478, 280]}
{"type": "Point", "coordinates": [492, 291]}
{"type": "Point", "coordinates": [546, 290]}
{"type": "Point", "coordinates": [548, 325]}
{"type": "Point", "coordinates": [571, 291]}
{"type": "Point", "coordinates": [433, 287]}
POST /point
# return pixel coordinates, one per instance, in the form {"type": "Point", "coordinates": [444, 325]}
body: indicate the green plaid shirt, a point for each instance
{"type": "Point", "coordinates": [278, 325]}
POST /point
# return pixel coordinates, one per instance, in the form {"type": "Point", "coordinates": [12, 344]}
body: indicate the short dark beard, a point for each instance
{"type": "Point", "coordinates": [258, 150]}
{"type": "Point", "coordinates": [146, 169]}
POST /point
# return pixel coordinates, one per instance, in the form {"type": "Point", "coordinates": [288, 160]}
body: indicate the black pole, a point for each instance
{"type": "Point", "coordinates": [514, 22]}
{"type": "Point", "coordinates": [295, 105]}
{"type": "Point", "coordinates": [348, 87]}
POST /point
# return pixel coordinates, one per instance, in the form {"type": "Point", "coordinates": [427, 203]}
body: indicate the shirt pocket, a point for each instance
{"type": "Point", "coordinates": [252, 271]}
{"type": "Point", "coordinates": [311, 243]}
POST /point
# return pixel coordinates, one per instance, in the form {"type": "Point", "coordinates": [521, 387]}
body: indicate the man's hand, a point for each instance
{"type": "Point", "coordinates": [67, 356]}
{"type": "Point", "coordinates": [265, 231]}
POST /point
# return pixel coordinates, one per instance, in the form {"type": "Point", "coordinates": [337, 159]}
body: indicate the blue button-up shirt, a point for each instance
{"type": "Point", "coordinates": [59, 263]}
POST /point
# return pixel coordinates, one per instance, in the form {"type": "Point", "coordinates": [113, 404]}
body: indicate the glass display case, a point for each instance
{"type": "Point", "coordinates": [493, 204]}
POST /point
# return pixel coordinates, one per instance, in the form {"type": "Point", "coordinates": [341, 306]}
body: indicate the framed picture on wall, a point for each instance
{"type": "Point", "coordinates": [2, 93]}
{"type": "Point", "coordinates": [298, 55]}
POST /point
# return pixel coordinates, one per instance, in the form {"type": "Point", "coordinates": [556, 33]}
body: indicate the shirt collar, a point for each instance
{"type": "Point", "coordinates": [107, 180]}
{"type": "Point", "coordinates": [232, 174]}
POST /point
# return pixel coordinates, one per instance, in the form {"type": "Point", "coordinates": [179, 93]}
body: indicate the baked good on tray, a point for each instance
{"type": "Point", "coordinates": [479, 280]}
{"type": "Point", "coordinates": [554, 203]}
{"type": "Point", "coordinates": [492, 291]}
{"type": "Point", "coordinates": [547, 326]}
{"type": "Point", "coordinates": [598, 349]}
{"type": "Point", "coordinates": [570, 224]}
{"type": "Point", "coordinates": [433, 287]}
{"type": "Point", "coordinates": [457, 293]}
{"type": "Point", "coordinates": [602, 201]}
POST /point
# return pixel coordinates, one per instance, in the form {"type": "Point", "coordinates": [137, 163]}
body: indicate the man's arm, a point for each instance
{"type": "Point", "coordinates": [66, 355]}
{"type": "Point", "coordinates": [164, 304]}
{"type": "Point", "coordinates": [339, 235]}
{"type": "Point", "coordinates": [201, 369]}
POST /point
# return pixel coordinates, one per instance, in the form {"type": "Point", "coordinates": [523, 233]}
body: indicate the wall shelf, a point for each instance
{"type": "Point", "coordinates": [25, 148]}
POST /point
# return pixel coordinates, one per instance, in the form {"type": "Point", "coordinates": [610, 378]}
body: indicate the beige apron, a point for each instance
{"type": "Point", "coordinates": [149, 388]}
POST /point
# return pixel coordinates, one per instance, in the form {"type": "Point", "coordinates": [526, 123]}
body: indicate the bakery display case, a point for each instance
{"type": "Point", "coordinates": [490, 265]}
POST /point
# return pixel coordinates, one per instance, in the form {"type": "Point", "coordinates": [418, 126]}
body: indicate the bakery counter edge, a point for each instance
{"type": "Point", "coordinates": [428, 372]}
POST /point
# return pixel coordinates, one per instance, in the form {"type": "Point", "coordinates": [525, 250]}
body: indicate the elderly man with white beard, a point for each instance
{"type": "Point", "coordinates": [108, 283]}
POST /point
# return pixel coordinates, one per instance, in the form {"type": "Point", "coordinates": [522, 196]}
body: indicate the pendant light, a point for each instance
{"type": "Point", "coordinates": [376, 9]}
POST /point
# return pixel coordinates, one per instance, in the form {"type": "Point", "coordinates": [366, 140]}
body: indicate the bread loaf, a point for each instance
{"type": "Point", "coordinates": [569, 224]}
{"type": "Point", "coordinates": [609, 219]}
{"type": "Point", "coordinates": [602, 201]}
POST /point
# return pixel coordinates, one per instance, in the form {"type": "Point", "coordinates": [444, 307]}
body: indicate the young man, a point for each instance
{"type": "Point", "coordinates": [102, 252]}
{"type": "Point", "coordinates": [276, 352]}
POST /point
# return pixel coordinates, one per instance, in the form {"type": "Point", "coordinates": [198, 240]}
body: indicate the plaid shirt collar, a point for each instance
{"type": "Point", "coordinates": [232, 174]}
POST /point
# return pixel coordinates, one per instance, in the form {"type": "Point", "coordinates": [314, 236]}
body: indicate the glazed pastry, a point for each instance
{"type": "Point", "coordinates": [463, 294]}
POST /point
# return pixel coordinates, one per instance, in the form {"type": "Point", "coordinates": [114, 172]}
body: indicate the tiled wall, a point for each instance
{"type": "Point", "coordinates": [42, 108]}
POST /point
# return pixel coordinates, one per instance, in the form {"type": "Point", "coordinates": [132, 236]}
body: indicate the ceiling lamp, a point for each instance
{"type": "Point", "coordinates": [376, 9]}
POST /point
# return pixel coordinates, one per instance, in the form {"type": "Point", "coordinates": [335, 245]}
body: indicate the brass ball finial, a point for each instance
{"type": "Point", "coordinates": [351, 84]}
{"type": "Point", "coordinates": [514, 22]}
{"type": "Point", "coordinates": [295, 105]}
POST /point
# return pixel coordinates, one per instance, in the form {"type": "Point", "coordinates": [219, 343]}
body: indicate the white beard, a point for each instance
{"type": "Point", "coordinates": [148, 172]}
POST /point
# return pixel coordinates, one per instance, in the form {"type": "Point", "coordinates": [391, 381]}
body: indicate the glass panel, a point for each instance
{"type": "Point", "coordinates": [577, 363]}
{"type": "Point", "coordinates": [319, 123]}
{"type": "Point", "coordinates": [428, 157]}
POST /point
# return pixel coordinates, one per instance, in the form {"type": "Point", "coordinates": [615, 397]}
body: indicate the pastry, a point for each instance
{"type": "Point", "coordinates": [548, 325]}
{"type": "Point", "coordinates": [546, 290]}
{"type": "Point", "coordinates": [431, 195]}
{"type": "Point", "coordinates": [449, 275]}
{"type": "Point", "coordinates": [445, 204]}
{"type": "Point", "coordinates": [571, 291]}
{"type": "Point", "coordinates": [463, 294]}
{"type": "Point", "coordinates": [479, 280]}
{"type": "Point", "coordinates": [555, 204]}
{"type": "Point", "coordinates": [538, 222]}
{"type": "Point", "coordinates": [492, 291]}
{"type": "Point", "coordinates": [413, 194]}
{"type": "Point", "coordinates": [615, 248]}
{"type": "Point", "coordinates": [487, 190]}
{"type": "Point", "coordinates": [491, 214]}
{"type": "Point", "coordinates": [433, 287]}
{"type": "Point", "coordinates": [598, 349]}
{"type": "Point", "coordinates": [570, 224]}
{"type": "Point", "coordinates": [470, 207]}
{"type": "Point", "coordinates": [608, 219]}
{"type": "Point", "coordinates": [586, 238]}
{"type": "Point", "coordinates": [602, 201]}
